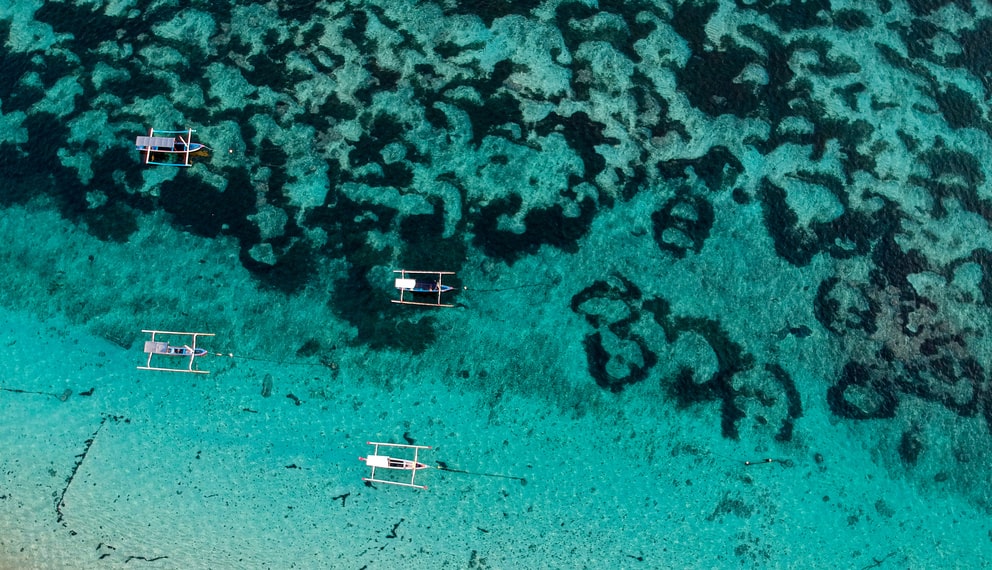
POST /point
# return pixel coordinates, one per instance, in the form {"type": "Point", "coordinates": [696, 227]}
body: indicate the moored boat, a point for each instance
{"type": "Point", "coordinates": [174, 150]}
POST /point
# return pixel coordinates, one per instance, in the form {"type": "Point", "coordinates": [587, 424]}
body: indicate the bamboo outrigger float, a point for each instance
{"type": "Point", "coordinates": [376, 461]}
{"type": "Point", "coordinates": [161, 348]}
{"type": "Point", "coordinates": [155, 146]}
{"type": "Point", "coordinates": [422, 287]}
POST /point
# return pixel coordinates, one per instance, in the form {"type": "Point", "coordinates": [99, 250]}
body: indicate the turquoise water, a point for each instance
{"type": "Point", "coordinates": [723, 274]}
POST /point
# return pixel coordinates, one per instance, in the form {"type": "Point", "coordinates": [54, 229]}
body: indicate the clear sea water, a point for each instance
{"type": "Point", "coordinates": [722, 279]}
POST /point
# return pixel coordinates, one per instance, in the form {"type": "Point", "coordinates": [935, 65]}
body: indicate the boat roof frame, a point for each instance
{"type": "Point", "coordinates": [189, 368]}
{"type": "Point", "coordinates": [403, 273]}
{"type": "Point", "coordinates": [413, 471]}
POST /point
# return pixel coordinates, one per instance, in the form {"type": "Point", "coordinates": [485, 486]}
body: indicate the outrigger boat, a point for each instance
{"type": "Point", "coordinates": [408, 282]}
{"type": "Point", "coordinates": [157, 148]}
{"type": "Point", "coordinates": [376, 461]}
{"type": "Point", "coordinates": [155, 347]}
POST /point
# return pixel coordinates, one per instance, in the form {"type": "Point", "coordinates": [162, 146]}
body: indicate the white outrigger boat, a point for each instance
{"type": "Point", "coordinates": [424, 287]}
{"type": "Point", "coordinates": [376, 461]}
{"type": "Point", "coordinates": [155, 347]}
{"type": "Point", "coordinates": [157, 148]}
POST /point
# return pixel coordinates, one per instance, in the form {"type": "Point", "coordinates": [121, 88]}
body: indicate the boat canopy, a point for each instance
{"type": "Point", "coordinates": [155, 143]}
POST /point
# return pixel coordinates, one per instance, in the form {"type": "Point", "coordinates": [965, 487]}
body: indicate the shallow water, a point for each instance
{"type": "Point", "coordinates": [722, 284]}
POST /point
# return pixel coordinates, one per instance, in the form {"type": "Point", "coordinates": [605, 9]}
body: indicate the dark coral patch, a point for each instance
{"type": "Point", "coordinates": [619, 289]}
{"type": "Point", "coordinates": [424, 242]}
{"type": "Point", "coordinates": [683, 224]}
{"type": "Point", "coordinates": [954, 173]}
{"type": "Point", "coordinates": [851, 20]}
{"type": "Point", "coordinates": [583, 135]}
{"type": "Point", "coordinates": [862, 393]}
{"type": "Point", "coordinates": [88, 27]}
{"type": "Point", "coordinates": [792, 15]}
{"type": "Point", "coordinates": [621, 37]}
{"type": "Point", "coordinates": [355, 33]}
{"type": "Point", "coordinates": [910, 446]}
{"type": "Point", "coordinates": [347, 224]}
{"type": "Point", "coordinates": [919, 351]}
{"type": "Point", "coordinates": [543, 226]}
{"type": "Point", "coordinates": [741, 196]}
{"type": "Point", "coordinates": [381, 130]}
{"type": "Point", "coordinates": [893, 266]}
{"type": "Point", "coordinates": [959, 108]}
{"type": "Point", "coordinates": [983, 258]}
{"type": "Point", "coordinates": [30, 170]}
{"type": "Point", "coordinates": [298, 10]}
{"type": "Point", "coordinates": [793, 400]}
{"type": "Point", "coordinates": [367, 308]}
{"type": "Point", "coordinates": [928, 7]}
{"type": "Point", "coordinates": [843, 307]}
{"type": "Point", "coordinates": [718, 168]}
{"type": "Point", "coordinates": [689, 21]}
{"type": "Point", "coordinates": [206, 210]}
{"type": "Point", "coordinates": [498, 110]}
{"type": "Point", "coordinates": [363, 304]}
{"type": "Point", "coordinates": [976, 52]}
{"type": "Point", "coordinates": [958, 384]}
{"type": "Point", "coordinates": [852, 233]}
{"type": "Point", "coordinates": [918, 37]}
{"type": "Point", "coordinates": [489, 10]}
{"type": "Point", "coordinates": [615, 308]}
{"type": "Point", "coordinates": [630, 185]}
{"type": "Point", "coordinates": [293, 269]}
{"type": "Point", "coordinates": [117, 218]}
{"type": "Point", "coordinates": [731, 360]}
{"type": "Point", "coordinates": [612, 307]}
{"type": "Point", "coordinates": [851, 93]}
{"type": "Point", "coordinates": [600, 360]}
{"type": "Point", "coordinates": [709, 80]}
{"type": "Point", "coordinates": [21, 182]}
{"type": "Point", "coordinates": [385, 79]}
{"type": "Point", "coordinates": [111, 222]}
{"type": "Point", "coordinates": [269, 68]}
{"type": "Point", "coordinates": [552, 227]}
{"type": "Point", "coordinates": [12, 66]}
{"type": "Point", "coordinates": [653, 110]}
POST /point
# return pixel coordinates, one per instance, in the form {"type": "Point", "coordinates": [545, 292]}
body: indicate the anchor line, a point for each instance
{"type": "Point", "coordinates": [62, 397]}
{"type": "Point", "coordinates": [60, 502]}
{"type": "Point", "coordinates": [524, 286]}
{"type": "Point", "coordinates": [781, 462]}
{"type": "Point", "coordinates": [760, 462]}
{"type": "Point", "coordinates": [285, 362]}
{"type": "Point", "coordinates": [443, 467]}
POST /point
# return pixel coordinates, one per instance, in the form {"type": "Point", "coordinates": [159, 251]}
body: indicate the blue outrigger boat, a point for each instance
{"type": "Point", "coordinates": [408, 282]}
{"type": "Point", "coordinates": [173, 150]}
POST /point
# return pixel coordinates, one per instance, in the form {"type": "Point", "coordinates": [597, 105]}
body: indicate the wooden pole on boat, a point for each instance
{"type": "Point", "coordinates": [148, 148]}
{"type": "Point", "coordinates": [189, 141]}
